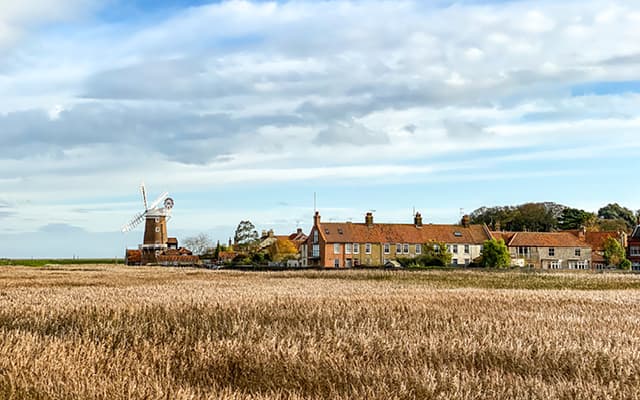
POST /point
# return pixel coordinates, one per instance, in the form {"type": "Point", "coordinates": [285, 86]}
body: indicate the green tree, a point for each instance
{"type": "Point", "coordinates": [573, 218]}
{"type": "Point", "coordinates": [616, 211]}
{"type": "Point", "coordinates": [612, 225]}
{"type": "Point", "coordinates": [535, 217]}
{"type": "Point", "coordinates": [495, 254]}
{"type": "Point", "coordinates": [246, 236]}
{"type": "Point", "coordinates": [216, 252]}
{"type": "Point", "coordinates": [434, 250]}
{"type": "Point", "coordinates": [614, 253]}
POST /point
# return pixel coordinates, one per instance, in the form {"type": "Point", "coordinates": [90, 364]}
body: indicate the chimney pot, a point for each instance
{"type": "Point", "coordinates": [417, 220]}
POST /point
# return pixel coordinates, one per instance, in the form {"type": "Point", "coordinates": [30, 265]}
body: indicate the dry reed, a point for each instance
{"type": "Point", "coordinates": [120, 333]}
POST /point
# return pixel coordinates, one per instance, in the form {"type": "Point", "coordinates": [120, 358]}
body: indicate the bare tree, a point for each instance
{"type": "Point", "coordinates": [199, 244]}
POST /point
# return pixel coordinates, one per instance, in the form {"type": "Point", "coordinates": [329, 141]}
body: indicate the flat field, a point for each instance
{"type": "Point", "coordinates": [107, 332]}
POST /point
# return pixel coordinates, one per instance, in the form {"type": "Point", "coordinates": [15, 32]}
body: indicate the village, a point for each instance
{"type": "Point", "coordinates": [414, 243]}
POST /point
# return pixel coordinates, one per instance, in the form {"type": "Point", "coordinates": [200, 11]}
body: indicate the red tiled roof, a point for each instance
{"type": "Point", "coordinates": [134, 256]}
{"type": "Point", "coordinates": [544, 239]}
{"type": "Point", "coordinates": [347, 232]}
{"type": "Point", "coordinates": [596, 239]}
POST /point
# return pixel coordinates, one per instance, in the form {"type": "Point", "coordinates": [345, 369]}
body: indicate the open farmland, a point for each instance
{"type": "Point", "coordinates": [116, 333]}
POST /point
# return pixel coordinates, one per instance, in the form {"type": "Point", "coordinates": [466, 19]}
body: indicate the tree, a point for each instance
{"type": "Point", "coordinates": [614, 253]}
{"type": "Point", "coordinates": [612, 225]}
{"type": "Point", "coordinates": [246, 236]}
{"type": "Point", "coordinates": [616, 211]}
{"type": "Point", "coordinates": [282, 249]}
{"type": "Point", "coordinates": [573, 218]}
{"type": "Point", "coordinates": [198, 244]}
{"type": "Point", "coordinates": [535, 217]}
{"type": "Point", "coordinates": [495, 254]}
{"type": "Point", "coordinates": [436, 251]}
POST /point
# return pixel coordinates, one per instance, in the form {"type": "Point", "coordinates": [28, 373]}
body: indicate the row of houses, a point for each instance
{"type": "Point", "coordinates": [352, 244]}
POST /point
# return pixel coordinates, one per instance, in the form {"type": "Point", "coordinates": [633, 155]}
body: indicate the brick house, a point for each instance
{"type": "Point", "coordinates": [633, 250]}
{"type": "Point", "coordinates": [544, 250]}
{"type": "Point", "coordinates": [349, 244]}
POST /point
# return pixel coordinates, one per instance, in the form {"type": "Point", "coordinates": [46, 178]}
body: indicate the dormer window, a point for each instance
{"type": "Point", "coordinates": [326, 230]}
{"type": "Point", "coordinates": [457, 234]}
{"type": "Point", "coordinates": [340, 231]}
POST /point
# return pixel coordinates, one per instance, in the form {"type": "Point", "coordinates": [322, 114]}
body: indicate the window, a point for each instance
{"type": "Point", "coordinates": [524, 252]}
{"type": "Point", "coordinates": [454, 261]}
{"type": "Point", "coordinates": [367, 248]}
{"type": "Point", "coordinates": [356, 248]}
{"type": "Point", "coordinates": [315, 252]}
{"type": "Point", "coordinates": [340, 231]}
{"type": "Point", "coordinates": [552, 252]}
{"type": "Point", "coordinates": [449, 248]}
{"type": "Point", "coordinates": [579, 265]}
{"type": "Point", "coordinates": [336, 248]}
{"type": "Point", "coordinates": [315, 236]}
{"type": "Point", "coordinates": [635, 251]}
{"type": "Point", "coordinates": [418, 249]}
{"type": "Point", "coordinates": [347, 248]}
{"type": "Point", "coordinates": [457, 234]}
{"type": "Point", "coordinates": [455, 249]}
{"type": "Point", "coordinates": [336, 263]}
{"type": "Point", "coordinates": [387, 248]}
{"type": "Point", "coordinates": [398, 248]}
{"type": "Point", "coordinates": [554, 265]}
{"type": "Point", "coordinates": [326, 230]}
{"type": "Point", "coordinates": [466, 249]}
{"type": "Point", "coordinates": [578, 252]}
{"type": "Point", "coordinates": [436, 247]}
{"type": "Point", "coordinates": [405, 248]}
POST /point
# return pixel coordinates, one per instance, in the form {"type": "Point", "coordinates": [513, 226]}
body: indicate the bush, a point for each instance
{"type": "Point", "coordinates": [625, 265]}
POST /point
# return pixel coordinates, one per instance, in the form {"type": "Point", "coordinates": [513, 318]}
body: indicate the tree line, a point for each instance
{"type": "Point", "coordinates": [550, 217]}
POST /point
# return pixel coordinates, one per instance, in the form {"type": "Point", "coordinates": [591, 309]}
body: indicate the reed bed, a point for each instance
{"type": "Point", "coordinates": [104, 332]}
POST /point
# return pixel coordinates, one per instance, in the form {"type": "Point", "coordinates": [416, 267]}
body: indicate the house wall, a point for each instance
{"type": "Point", "coordinates": [632, 250]}
{"type": "Point", "coordinates": [539, 257]}
{"type": "Point", "coordinates": [379, 257]}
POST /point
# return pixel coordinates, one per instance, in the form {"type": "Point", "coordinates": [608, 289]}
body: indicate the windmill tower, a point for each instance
{"type": "Point", "coordinates": [155, 228]}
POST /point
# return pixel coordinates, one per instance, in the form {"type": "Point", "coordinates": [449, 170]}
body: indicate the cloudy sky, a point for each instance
{"type": "Point", "coordinates": [243, 109]}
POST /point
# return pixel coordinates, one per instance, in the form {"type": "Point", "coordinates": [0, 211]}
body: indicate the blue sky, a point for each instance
{"type": "Point", "coordinates": [243, 109]}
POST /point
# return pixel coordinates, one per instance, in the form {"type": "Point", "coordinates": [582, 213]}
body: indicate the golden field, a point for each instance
{"type": "Point", "coordinates": [106, 332]}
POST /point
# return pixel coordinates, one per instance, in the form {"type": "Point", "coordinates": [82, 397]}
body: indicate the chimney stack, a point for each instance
{"type": "Point", "coordinates": [466, 221]}
{"type": "Point", "coordinates": [368, 219]}
{"type": "Point", "coordinates": [582, 233]}
{"type": "Point", "coordinates": [417, 219]}
{"type": "Point", "coordinates": [316, 219]}
{"type": "Point", "coordinates": [498, 226]}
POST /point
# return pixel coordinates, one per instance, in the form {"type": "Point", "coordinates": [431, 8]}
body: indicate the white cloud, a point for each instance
{"type": "Point", "coordinates": [243, 92]}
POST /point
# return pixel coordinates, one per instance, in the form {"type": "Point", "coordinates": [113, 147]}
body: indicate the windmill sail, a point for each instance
{"type": "Point", "coordinates": [135, 221]}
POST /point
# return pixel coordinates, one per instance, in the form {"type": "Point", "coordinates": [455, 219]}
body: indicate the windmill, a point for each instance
{"type": "Point", "coordinates": [155, 217]}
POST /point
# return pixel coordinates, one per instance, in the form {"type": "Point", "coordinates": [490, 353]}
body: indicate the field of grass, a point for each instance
{"type": "Point", "coordinates": [106, 332]}
{"type": "Point", "coordinates": [41, 262]}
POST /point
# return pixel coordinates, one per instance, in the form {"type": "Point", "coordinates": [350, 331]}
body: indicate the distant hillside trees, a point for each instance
{"type": "Point", "coordinates": [615, 212]}
{"type": "Point", "coordinates": [534, 217]}
{"type": "Point", "coordinates": [573, 218]}
{"type": "Point", "coordinates": [549, 217]}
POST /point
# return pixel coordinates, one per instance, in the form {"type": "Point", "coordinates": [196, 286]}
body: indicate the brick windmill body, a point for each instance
{"type": "Point", "coordinates": [155, 240]}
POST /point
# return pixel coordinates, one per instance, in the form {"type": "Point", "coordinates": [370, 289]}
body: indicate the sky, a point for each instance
{"type": "Point", "coordinates": [242, 110]}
